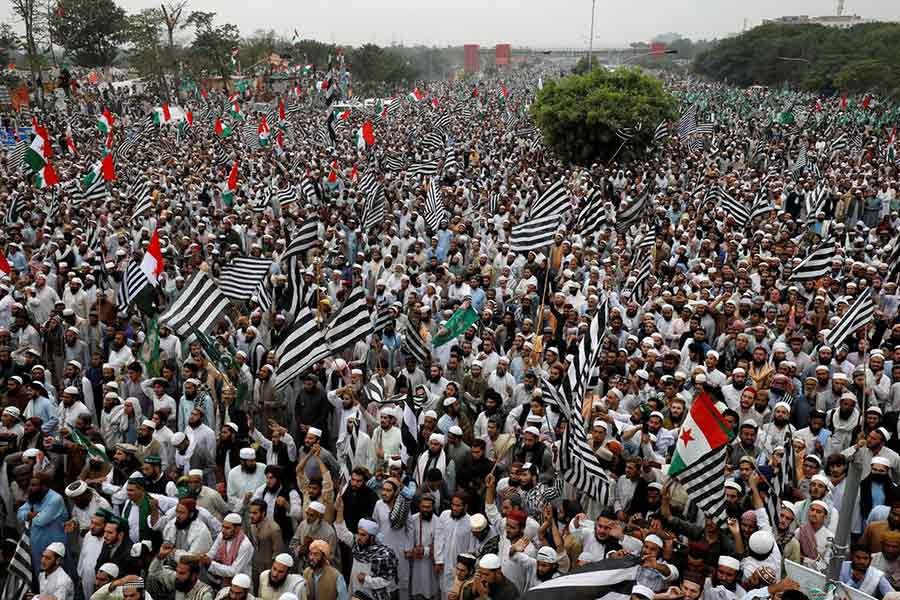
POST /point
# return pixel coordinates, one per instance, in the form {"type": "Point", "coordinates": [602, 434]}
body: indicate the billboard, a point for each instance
{"type": "Point", "coordinates": [472, 61]}
{"type": "Point", "coordinates": [503, 53]}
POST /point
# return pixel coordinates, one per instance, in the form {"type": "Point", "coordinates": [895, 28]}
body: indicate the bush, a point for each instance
{"type": "Point", "coordinates": [579, 115]}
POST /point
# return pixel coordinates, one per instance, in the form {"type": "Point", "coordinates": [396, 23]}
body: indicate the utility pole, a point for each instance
{"type": "Point", "coordinates": [591, 41]}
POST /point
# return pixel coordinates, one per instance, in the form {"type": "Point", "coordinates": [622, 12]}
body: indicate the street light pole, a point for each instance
{"type": "Point", "coordinates": [591, 41]}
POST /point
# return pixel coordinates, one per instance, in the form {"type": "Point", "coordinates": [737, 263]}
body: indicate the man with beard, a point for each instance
{"type": "Point", "coordinates": [187, 535]}
{"type": "Point", "coordinates": [359, 499]}
{"type": "Point", "coordinates": [239, 589]}
{"type": "Point", "coordinates": [284, 503]}
{"type": "Point", "coordinates": [776, 433]}
{"type": "Point", "coordinates": [266, 537]}
{"type": "Point", "coordinates": [877, 530]}
{"type": "Point", "coordinates": [228, 450]}
{"type": "Point", "coordinates": [484, 539]}
{"type": "Point", "coordinates": [85, 504]}
{"type": "Point", "coordinates": [498, 445]}
{"type": "Point", "coordinates": [53, 581]}
{"type": "Point", "coordinates": [842, 421]}
{"type": "Point", "coordinates": [745, 444]}
{"type": "Point", "coordinates": [323, 581]}
{"type": "Point", "coordinates": [732, 391]}
{"type": "Point", "coordinates": [872, 446]}
{"type": "Point", "coordinates": [313, 527]}
{"type": "Point", "coordinates": [188, 456]}
{"type": "Point", "coordinates": [41, 406]}
{"type": "Point", "coordinates": [814, 435]}
{"type": "Point", "coordinates": [312, 443]}
{"type": "Point", "coordinates": [878, 489]}
{"type": "Point", "coordinates": [490, 582]}
{"type": "Point", "coordinates": [46, 511]}
{"type": "Point", "coordinates": [387, 439]}
{"type": "Point", "coordinates": [156, 480]}
{"type": "Point", "coordinates": [374, 567]}
{"type": "Point", "coordinates": [231, 553]}
{"type": "Point", "coordinates": [267, 402]}
{"type": "Point", "coordinates": [453, 536]}
{"type": "Point", "coordinates": [113, 420]}
{"type": "Point", "coordinates": [548, 563]}
{"type": "Point", "coordinates": [161, 399]}
{"type": "Point", "coordinates": [277, 581]}
{"type": "Point", "coordinates": [723, 583]}
{"type": "Point", "coordinates": [91, 547]}
{"type": "Point", "coordinates": [116, 545]}
{"type": "Point", "coordinates": [194, 398]}
{"type": "Point", "coordinates": [888, 560]}
{"type": "Point", "coordinates": [70, 408]}
{"type": "Point", "coordinates": [434, 458]}
{"type": "Point", "coordinates": [199, 432]}
{"type": "Point", "coordinates": [145, 443]}
{"type": "Point", "coordinates": [532, 450]}
{"type": "Point", "coordinates": [244, 479]}
{"type": "Point", "coordinates": [389, 516]}
{"type": "Point", "coordinates": [313, 410]}
{"type": "Point", "coordinates": [184, 582]}
{"type": "Point", "coordinates": [205, 496]}
{"type": "Point", "coordinates": [420, 551]}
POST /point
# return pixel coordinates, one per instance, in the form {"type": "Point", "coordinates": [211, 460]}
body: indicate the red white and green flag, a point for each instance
{"type": "Point", "coordinates": [700, 453]}
{"type": "Point", "coordinates": [39, 152]}
{"type": "Point", "coordinates": [221, 129]}
{"type": "Point", "coordinates": [105, 121]}
{"type": "Point", "coordinates": [235, 111]}
{"type": "Point", "coordinates": [152, 264]}
{"type": "Point", "coordinates": [46, 177]}
{"type": "Point", "coordinates": [416, 95]}
{"type": "Point", "coordinates": [108, 168]}
{"type": "Point", "coordinates": [365, 136]}
{"type": "Point", "coordinates": [70, 141]}
{"type": "Point", "coordinates": [264, 132]}
{"type": "Point", "coordinates": [502, 94]}
{"type": "Point", "coordinates": [342, 115]}
{"type": "Point", "coordinates": [231, 185]}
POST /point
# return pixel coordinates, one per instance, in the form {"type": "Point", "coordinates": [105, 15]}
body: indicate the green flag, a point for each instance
{"type": "Point", "coordinates": [85, 443]}
{"type": "Point", "coordinates": [150, 348]}
{"type": "Point", "coordinates": [461, 320]}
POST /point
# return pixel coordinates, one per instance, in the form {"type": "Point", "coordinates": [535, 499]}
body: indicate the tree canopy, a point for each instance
{"type": "Point", "coordinates": [863, 58]}
{"type": "Point", "coordinates": [91, 30]}
{"type": "Point", "coordinates": [579, 115]}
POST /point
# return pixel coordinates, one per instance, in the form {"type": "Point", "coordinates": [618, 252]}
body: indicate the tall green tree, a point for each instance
{"type": "Point", "coordinates": [90, 30]}
{"type": "Point", "coordinates": [212, 44]}
{"type": "Point", "coordinates": [34, 22]}
{"type": "Point", "coordinates": [579, 115]}
{"type": "Point", "coordinates": [146, 52]}
{"type": "Point", "coordinates": [173, 17]}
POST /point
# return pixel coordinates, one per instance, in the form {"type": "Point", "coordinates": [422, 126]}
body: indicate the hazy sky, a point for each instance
{"type": "Point", "coordinates": [551, 23]}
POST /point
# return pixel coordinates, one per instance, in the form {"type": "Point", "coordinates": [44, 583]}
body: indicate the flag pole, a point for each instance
{"type": "Point", "coordinates": [622, 145]}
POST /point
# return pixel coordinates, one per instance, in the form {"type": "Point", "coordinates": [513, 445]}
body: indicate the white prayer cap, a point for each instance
{"type": "Point", "coordinates": [356, 371]}
{"type": "Point", "coordinates": [71, 390]}
{"type": "Point", "coordinates": [12, 411]}
{"type": "Point", "coordinates": [601, 423]}
{"type": "Point", "coordinates": [478, 522]}
{"type": "Point", "coordinates": [232, 426]}
{"type": "Point", "coordinates": [738, 371]}
{"type": "Point", "coordinates": [436, 437]}
{"type": "Point", "coordinates": [75, 364]}
{"type": "Point", "coordinates": [533, 431]}
{"type": "Point", "coordinates": [317, 506]}
{"type": "Point", "coordinates": [195, 473]}
{"type": "Point", "coordinates": [242, 580]}
{"type": "Point", "coordinates": [148, 423]}
{"type": "Point", "coordinates": [110, 569]}
{"type": "Point", "coordinates": [880, 460]}
{"type": "Point", "coordinates": [733, 485]}
{"type": "Point", "coordinates": [395, 464]}
{"type": "Point", "coordinates": [247, 454]}
{"type": "Point", "coordinates": [178, 437]}
{"type": "Point", "coordinates": [820, 504]}
{"type": "Point", "coordinates": [789, 506]}
{"type": "Point", "coordinates": [315, 431]}
{"type": "Point", "coordinates": [729, 562]}
{"type": "Point", "coordinates": [821, 479]}
{"type": "Point", "coordinates": [430, 413]}
{"type": "Point", "coordinates": [654, 539]}
{"type": "Point", "coordinates": [456, 430]}
{"type": "Point", "coordinates": [76, 489]}
{"type": "Point", "coordinates": [449, 401]}
{"type": "Point", "coordinates": [57, 548]}
{"type": "Point", "coordinates": [30, 453]}
{"type": "Point", "coordinates": [233, 518]}
{"type": "Point", "coordinates": [782, 404]}
{"type": "Point", "coordinates": [489, 561]}
{"type": "Point", "coordinates": [285, 559]}
{"type": "Point", "coordinates": [547, 555]}
{"type": "Point", "coordinates": [136, 550]}
{"type": "Point", "coordinates": [288, 596]}
{"type": "Point", "coordinates": [192, 381]}
{"type": "Point", "coordinates": [643, 591]}
{"type": "Point", "coordinates": [369, 526]}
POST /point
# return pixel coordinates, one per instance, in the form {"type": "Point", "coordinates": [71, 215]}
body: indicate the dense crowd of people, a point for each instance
{"type": "Point", "coordinates": [182, 476]}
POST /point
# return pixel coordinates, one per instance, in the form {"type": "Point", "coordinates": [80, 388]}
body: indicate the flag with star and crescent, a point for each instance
{"type": "Point", "coordinates": [700, 453]}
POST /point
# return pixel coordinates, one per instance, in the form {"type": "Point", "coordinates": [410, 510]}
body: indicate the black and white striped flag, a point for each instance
{"type": "Point", "coordinates": [433, 140]}
{"type": "Point", "coordinates": [15, 158]}
{"type": "Point", "coordinates": [133, 282]}
{"type": "Point", "coordinates": [606, 579]}
{"type": "Point", "coordinates": [393, 163]}
{"type": "Point", "coordinates": [302, 347]}
{"type": "Point", "coordinates": [592, 215]}
{"type": "Point", "coordinates": [450, 160]}
{"type": "Point", "coordinates": [435, 211]}
{"type": "Point", "coordinates": [860, 314]}
{"type": "Point", "coordinates": [661, 133]}
{"type": "Point", "coordinates": [638, 291]}
{"type": "Point", "coordinates": [687, 124]}
{"type": "Point", "coordinates": [374, 210]}
{"type": "Point", "coordinates": [140, 194]}
{"type": "Point", "coordinates": [631, 214]}
{"type": "Point", "coordinates": [19, 571]}
{"type": "Point", "coordinates": [305, 238]}
{"type": "Point", "coordinates": [240, 277]}
{"type": "Point", "coordinates": [200, 305]}
{"type": "Point", "coordinates": [553, 202]}
{"type": "Point", "coordinates": [533, 234]}
{"type": "Point", "coordinates": [817, 263]}
{"type": "Point", "coordinates": [352, 323]}
{"type": "Point", "coordinates": [384, 318]}
{"type": "Point", "coordinates": [429, 168]}
{"type": "Point", "coordinates": [264, 294]}
{"type": "Point", "coordinates": [286, 197]}
{"type": "Point", "coordinates": [16, 204]}
{"type": "Point", "coordinates": [414, 345]}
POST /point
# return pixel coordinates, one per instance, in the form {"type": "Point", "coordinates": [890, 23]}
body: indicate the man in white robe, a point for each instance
{"type": "Point", "coordinates": [453, 536]}
{"type": "Point", "coordinates": [422, 527]}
